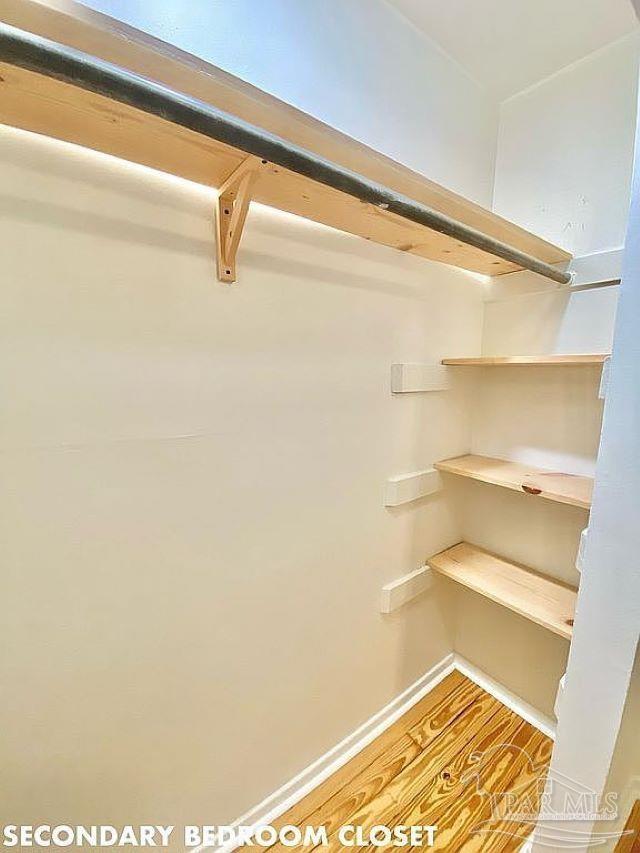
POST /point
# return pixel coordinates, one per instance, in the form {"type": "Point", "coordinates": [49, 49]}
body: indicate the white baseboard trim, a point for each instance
{"type": "Point", "coordinates": [523, 709]}
{"type": "Point", "coordinates": [527, 847]}
{"type": "Point", "coordinates": [295, 789]}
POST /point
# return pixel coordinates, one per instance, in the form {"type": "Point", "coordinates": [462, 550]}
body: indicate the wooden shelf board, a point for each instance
{"type": "Point", "coordinates": [571, 489]}
{"type": "Point", "coordinates": [56, 109]}
{"type": "Point", "coordinates": [545, 601]}
{"type": "Point", "coordinates": [533, 360]}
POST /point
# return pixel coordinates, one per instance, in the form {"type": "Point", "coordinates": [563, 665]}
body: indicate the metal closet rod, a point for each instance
{"type": "Point", "coordinates": [43, 56]}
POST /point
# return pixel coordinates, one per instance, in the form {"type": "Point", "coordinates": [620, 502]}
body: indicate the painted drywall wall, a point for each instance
{"type": "Point", "coordinates": [115, 427]}
{"type": "Point", "coordinates": [192, 514]}
{"type": "Point", "coordinates": [565, 151]}
{"type": "Point", "coordinates": [607, 623]}
{"type": "Point", "coordinates": [509, 45]}
{"type": "Point", "coordinates": [624, 773]}
{"type": "Point", "coordinates": [563, 169]}
{"type": "Point", "coordinates": [551, 320]}
{"type": "Point", "coordinates": [359, 66]}
{"type": "Point", "coordinates": [577, 183]}
{"type": "Point", "coordinates": [548, 417]}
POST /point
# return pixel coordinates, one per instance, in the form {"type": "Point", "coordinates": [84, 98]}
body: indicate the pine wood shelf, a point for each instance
{"type": "Point", "coordinates": [47, 106]}
{"type": "Point", "coordinates": [555, 486]}
{"type": "Point", "coordinates": [545, 601]}
{"type": "Point", "coordinates": [533, 360]}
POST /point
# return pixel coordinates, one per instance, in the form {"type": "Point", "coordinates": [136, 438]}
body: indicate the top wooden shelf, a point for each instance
{"type": "Point", "coordinates": [47, 106]}
{"type": "Point", "coordinates": [533, 360]}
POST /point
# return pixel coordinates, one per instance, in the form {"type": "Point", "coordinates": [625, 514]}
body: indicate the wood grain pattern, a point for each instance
{"type": "Point", "coordinates": [512, 784]}
{"type": "Point", "coordinates": [371, 755]}
{"type": "Point", "coordinates": [541, 599]}
{"type": "Point", "coordinates": [74, 24]}
{"type": "Point", "coordinates": [386, 807]}
{"type": "Point", "coordinates": [555, 486]}
{"type": "Point", "coordinates": [437, 766]}
{"type": "Point", "coordinates": [509, 835]}
{"type": "Point", "coordinates": [483, 777]}
{"type": "Point", "coordinates": [232, 207]}
{"type": "Point", "coordinates": [443, 791]}
{"type": "Point", "coordinates": [47, 106]}
{"type": "Point", "coordinates": [66, 112]}
{"type": "Point", "coordinates": [630, 843]}
{"type": "Point", "coordinates": [374, 778]}
{"type": "Point", "coordinates": [533, 360]}
{"type": "Point", "coordinates": [442, 714]}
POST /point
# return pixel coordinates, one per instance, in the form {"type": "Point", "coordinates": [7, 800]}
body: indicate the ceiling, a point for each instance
{"type": "Point", "coordinates": [508, 45]}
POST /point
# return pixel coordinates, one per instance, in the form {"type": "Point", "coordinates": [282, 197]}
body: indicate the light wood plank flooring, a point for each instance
{"type": "Point", "coordinates": [437, 766]}
{"type": "Point", "coordinates": [631, 843]}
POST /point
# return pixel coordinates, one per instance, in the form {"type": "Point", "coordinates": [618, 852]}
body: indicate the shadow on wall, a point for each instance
{"type": "Point", "coordinates": [50, 214]}
{"type": "Point", "coordinates": [557, 320]}
{"type": "Point", "coordinates": [156, 196]}
{"type": "Point", "coordinates": [548, 417]}
{"type": "Point", "coordinates": [169, 240]}
{"type": "Point", "coordinates": [204, 468]}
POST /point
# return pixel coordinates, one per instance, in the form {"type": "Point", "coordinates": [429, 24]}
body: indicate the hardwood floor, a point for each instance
{"type": "Point", "coordinates": [631, 843]}
{"type": "Point", "coordinates": [437, 766]}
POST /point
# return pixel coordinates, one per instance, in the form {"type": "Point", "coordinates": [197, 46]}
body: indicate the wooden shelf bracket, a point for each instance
{"type": "Point", "coordinates": [232, 206]}
{"type": "Point", "coordinates": [61, 91]}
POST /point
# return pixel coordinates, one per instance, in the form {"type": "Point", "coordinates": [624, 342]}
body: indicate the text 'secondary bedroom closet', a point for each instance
{"type": "Point", "coordinates": [320, 426]}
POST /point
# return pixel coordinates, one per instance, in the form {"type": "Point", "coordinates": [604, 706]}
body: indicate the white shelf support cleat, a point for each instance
{"type": "Point", "coordinates": [604, 380]}
{"type": "Point", "coordinates": [581, 550]}
{"type": "Point", "coordinates": [412, 378]}
{"type": "Point", "coordinates": [405, 589]}
{"type": "Point", "coordinates": [411, 487]}
{"type": "Point", "coordinates": [560, 696]}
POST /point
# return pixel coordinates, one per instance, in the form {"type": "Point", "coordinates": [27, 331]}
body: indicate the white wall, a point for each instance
{"type": "Point", "coordinates": [548, 417]}
{"type": "Point", "coordinates": [607, 624]}
{"type": "Point", "coordinates": [226, 448]}
{"type": "Point", "coordinates": [563, 169]}
{"type": "Point", "coordinates": [194, 536]}
{"type": "Point", "coordinates": [565, 151]}
{"type": "Point", "coordinates": [358, 65]}
{"type": "Point", "coordinates": [551, 320]}
{"type": "Point", "coordinates": [194, 526]}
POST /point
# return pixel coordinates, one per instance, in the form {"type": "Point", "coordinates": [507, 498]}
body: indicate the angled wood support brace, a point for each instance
{"type": "Point", "coordinates": [63, 66]}
{"type": "Point", "coordinates": [232, 207]}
